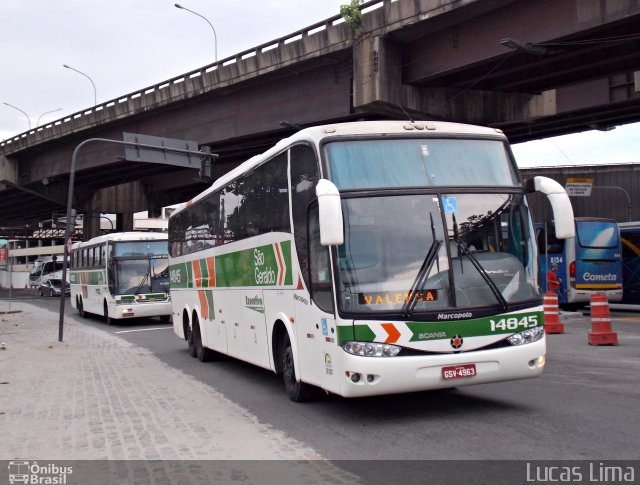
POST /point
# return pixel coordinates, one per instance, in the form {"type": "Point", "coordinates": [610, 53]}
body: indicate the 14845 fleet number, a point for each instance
{"type": "Point", "coordinates": [514, 323]}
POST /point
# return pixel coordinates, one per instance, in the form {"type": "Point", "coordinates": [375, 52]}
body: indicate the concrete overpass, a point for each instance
{"type": "Point", "coordinates": [534, 69]}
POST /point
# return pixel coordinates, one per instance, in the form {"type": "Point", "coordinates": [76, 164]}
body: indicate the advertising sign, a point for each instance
{"type": "Point", "coordinates": [4, 254]}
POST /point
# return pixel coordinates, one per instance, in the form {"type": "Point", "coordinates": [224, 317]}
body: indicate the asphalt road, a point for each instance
{"type": "Point", "coordinates": [584, 407]}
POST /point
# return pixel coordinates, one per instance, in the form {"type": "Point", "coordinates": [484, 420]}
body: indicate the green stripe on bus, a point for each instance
{"type": "Point", "coordinates": [204, 272]}
{"type": "Point", "coordinates": [444, 330]}
{"type": "Point", "coordinates": [477, 327]}
{"type": "Point", "coordinates": [180, 275]}
{"type": "Point", "coordinates": [268, 265]}
{"type": "Point", "coordinates": [96, 277]}
{"type": "Point", "coordinates": [209, 295]}
{"type": "Point", "coordinates": [153, 296]}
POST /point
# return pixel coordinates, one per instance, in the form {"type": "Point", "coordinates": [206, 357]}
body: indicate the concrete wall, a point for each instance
{"type": "Point", "coordinates": [20, 279]}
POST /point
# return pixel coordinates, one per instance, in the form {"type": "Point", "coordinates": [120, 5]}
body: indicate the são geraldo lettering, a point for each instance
{"type": "Point", "coordinates": [266, 276]}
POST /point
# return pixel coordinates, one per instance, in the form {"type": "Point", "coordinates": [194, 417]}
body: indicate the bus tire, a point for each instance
{"type": "Point", "coordinates": [297, 391]}
{"type": "Point", "coordinates": [189, 339]}
{"type": "Point", "coordinates": [40, 292]}
{"type": "Point", "coordinates": [107, 318]}
{"type": "Point", "coordinates": [204, 354]}
{"type": "Point", "coordinates": [80, 307]}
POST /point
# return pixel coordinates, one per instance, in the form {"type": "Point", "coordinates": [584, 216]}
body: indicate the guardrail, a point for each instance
{"type": "Point", "coordinates": [258, 60]}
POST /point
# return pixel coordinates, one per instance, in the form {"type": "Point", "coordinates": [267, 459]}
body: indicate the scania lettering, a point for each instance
{"type": "Point", "coordinates": [122, 275]}
{"type": "Point", "coordinates": [367, 258]}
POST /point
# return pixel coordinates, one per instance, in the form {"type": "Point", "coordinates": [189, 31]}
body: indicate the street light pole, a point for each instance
{"type": "Point", "coordinates": [14, 107]}
{"type": "Point", "coordinates": [215, 37]}
{"type": "Point", "coordinates": [46, 113]}
{"type": "Point", "coordinates": [95, 96]}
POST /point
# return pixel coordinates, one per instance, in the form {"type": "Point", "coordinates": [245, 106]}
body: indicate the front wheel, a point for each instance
{"type": "Point", "coordinates": [297, 391]}
{"type": "Point", "coordinates": [107, 318]}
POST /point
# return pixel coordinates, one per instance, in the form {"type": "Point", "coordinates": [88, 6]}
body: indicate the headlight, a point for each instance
{"type": "Point", "coordinates": [526, 337]}
{"type": "Point", "coordinates": [370, 349]}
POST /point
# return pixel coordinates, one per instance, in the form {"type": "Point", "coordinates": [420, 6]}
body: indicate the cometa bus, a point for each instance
{"type": "Point", "coordinates": [121, 276]}
{"type": "Point", "coordinates": [368, 258]}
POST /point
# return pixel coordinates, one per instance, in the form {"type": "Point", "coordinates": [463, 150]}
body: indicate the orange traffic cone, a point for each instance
{"type": "Point", "coordinates": [551, 314]}
{"type": "Point", "coordinates": [601, 333]}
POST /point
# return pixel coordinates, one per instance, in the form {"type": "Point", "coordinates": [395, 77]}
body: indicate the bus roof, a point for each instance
{"type": "Point", "coordinates": [357, 128]}
{"type": "Point", "coordinates": [122, 236]}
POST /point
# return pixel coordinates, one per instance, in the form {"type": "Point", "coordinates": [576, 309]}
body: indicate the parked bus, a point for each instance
{"type": "Point", "coordinates": [44, 268]}
{"type": "Point", "coordinates": [590, 262]}
{"type": "Point", "coordinates": [367, 258]}
{"type": "Point", "coordinates": [630, 237]}
{"type": "Point", "coordinates": [121, 275]}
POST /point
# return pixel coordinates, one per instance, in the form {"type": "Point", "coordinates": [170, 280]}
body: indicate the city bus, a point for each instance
{"type": "Point", "coordinates": [630, 237]}
{"type": "Point", "coordinates": [121, 276]}
{"type": "Point", "coordinates": [44, 268]}
{"type": "Point", "coordinates": [367, 258]}
{"type": "Point", "coordinates": [590, 262]}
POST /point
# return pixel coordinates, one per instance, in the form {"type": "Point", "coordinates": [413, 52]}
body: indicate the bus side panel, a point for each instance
{"type": "Point", "coordinates": [213, 328]}
{"type": "Point", "coordinates": [307, 324]}
{"type": "Point", "coordinates": [253, 329]}
{"type": "Point", "coordinates": [278, 305]}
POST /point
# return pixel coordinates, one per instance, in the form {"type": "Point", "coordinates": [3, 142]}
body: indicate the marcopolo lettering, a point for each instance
{"type": "Point", "coordinates": [454, 316]}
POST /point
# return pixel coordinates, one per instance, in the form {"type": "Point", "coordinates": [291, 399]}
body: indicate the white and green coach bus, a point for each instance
{"type": "Point", "coordinates": [367, 258]}
{"type": "Point", "coordinates": [121, 275]}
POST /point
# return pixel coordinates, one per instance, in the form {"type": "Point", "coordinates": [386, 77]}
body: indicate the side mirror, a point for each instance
{"type": "Point", "coordinates": [565, 227]}
{"type": "Point", "coordinates": [330, 213]}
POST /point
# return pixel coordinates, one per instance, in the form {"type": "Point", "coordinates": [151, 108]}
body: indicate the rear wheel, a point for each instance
{"type": "Point", "coordinates": [296, 390]}
{"type": "Point", "coordinates": [190, 342]}
{"type": "Point", "coordinates": [80, 307]}
{"type": "Point", "coordinates": [40, 293]}
{"type": "Point", "coordinates": [204, 354]}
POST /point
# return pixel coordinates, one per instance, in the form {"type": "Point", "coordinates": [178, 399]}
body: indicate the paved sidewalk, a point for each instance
{"type": "Point", "coordinates": [98, 397]}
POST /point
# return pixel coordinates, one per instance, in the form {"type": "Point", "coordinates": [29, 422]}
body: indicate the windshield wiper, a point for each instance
{"type": "Point", "coordinates": [462, 247]}
{"type": "Point", "coordinates": [421, 277]}
{"type": "Point", "coordinates": [146, 275]}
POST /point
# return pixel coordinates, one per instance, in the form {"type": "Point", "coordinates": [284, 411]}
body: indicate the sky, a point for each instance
{"type": "Point", "coordinates": [127, 45]}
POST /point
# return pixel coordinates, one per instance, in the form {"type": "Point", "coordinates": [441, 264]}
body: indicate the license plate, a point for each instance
{"type": "Point", "coordinates": [458, 371]}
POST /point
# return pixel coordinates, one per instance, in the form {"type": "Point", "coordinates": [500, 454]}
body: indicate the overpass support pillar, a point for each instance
{"type": "Point", "coordinates": [8, 171]}
{"type": "Point", "coordinates": [124, 221]}
{"type": "Point", "coordinates": [90, 224]}
{"type": "Point", "coordinates": [377, 76]}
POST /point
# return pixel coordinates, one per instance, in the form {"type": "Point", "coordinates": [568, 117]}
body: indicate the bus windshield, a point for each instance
{"type": "Point", "coordinates": [597, 234]}
{"type": "Point", "coordinates": [141, 267]}
{"type": "Point", "coordinates": [419, 162]}
{"type": "Point", "coordinates": [483, 253]}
